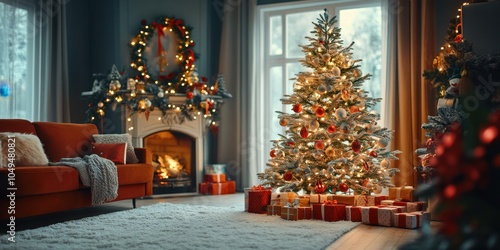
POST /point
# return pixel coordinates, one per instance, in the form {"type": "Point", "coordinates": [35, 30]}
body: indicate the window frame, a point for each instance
{"type": "Point", "coordinates": [265, 61]}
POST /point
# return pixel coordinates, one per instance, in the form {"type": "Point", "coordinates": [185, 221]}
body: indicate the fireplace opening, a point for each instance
{"type": "Point", "coordinates": [174, 162]}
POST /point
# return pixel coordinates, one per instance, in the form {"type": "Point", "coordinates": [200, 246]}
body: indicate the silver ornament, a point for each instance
{"type": "Point", "coordinates": [336, 71]}
{"type": "Point", "coordinates": [322, 89]}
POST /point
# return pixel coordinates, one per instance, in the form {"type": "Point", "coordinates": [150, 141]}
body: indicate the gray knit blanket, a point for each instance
{"type": "Point", "coordinates": [98, 173]}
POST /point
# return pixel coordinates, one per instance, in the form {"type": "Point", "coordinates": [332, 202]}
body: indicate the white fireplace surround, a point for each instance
{"type": "Point", "coordinates": [139, 127]}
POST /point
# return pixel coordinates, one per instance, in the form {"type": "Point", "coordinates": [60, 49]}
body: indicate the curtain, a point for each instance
{"type": "Point", "coordinates": [410, 98]}
{"type": "Point", "coordinates": [237, 141]}
{"type": "Point", "coordinates": [51, 61]}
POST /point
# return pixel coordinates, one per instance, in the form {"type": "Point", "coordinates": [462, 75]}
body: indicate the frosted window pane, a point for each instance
{"type": "Point", "coordinates": [364, 27]}
{"type": "Point", "coordinates": [276, 80]}
{"type": "Point", "coordinates": [15, 90]}
{"type": "Point", "coordinates": [276, 36]}
{"type": "Point", "coordinates": [298, 27]}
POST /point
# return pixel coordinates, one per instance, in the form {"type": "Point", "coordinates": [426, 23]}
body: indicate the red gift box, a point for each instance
{"type": "Point", "coordinates": [296, 213]}
{"type": "Point", "coordinates": [258, 199]}
{"type": "Point", "coordinates": [228, 187]}
{"type": "Point", "coordinates": [380, 215]}
{"type": "Point", "coordinates": [217, 178]}
{"type": "Point", "coordinates": [329, 211]}
{"type": "Point", "coordinates": [353, 213]}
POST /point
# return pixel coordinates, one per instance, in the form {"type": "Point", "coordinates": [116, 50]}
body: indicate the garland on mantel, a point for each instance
{"type": "Point", "coordinates": [144, 92]}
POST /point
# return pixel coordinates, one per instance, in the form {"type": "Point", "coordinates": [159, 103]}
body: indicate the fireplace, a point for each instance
{"type": "Point", "coordinates": [173, 160]}
{"type": "Point", "coordinates": [176, 149]}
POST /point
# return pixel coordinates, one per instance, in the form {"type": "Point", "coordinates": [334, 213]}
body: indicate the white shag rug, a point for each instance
{"type": "Point", "coordinates": [179, 226]}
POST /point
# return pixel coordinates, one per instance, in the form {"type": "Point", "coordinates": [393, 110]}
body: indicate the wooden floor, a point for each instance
{"type": "Point", "coordinates": [361, 237]}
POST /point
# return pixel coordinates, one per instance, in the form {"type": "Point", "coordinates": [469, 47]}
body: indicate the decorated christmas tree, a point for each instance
{"type": "Point", "coordinates": [332, 141]}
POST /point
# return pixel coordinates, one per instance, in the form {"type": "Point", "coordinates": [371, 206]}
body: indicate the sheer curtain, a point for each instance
{"type": "Point", "coordinates": [51, 61]}
{"type": "Point", "coordinates": [33, 60]}
{"type": "Point", "coordinates": [238, 142]}
{"type": "Point", "coordinates": [409, 98]}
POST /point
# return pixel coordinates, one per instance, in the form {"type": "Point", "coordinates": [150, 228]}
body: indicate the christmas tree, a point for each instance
{"type": "Point", "coordinates": [332, 140]}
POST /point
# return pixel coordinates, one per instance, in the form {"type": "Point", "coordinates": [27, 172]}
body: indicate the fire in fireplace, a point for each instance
{"type": "Point", "coordinates": [174, 157]}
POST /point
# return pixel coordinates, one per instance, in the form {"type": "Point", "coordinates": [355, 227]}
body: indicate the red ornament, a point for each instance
{"type": "Point", "coordinates": [303, 132]}
{"type": "Point", "coordinates": [287, 176]}
{"type": "Point", "coordinates": [272, 153]}
{"type": "Point", "coordinates": [343, 187]}
{"type": "Point", "coordinates": [320, 112]}
{"type": "Point", "coordinates": [373, 154]}
{"type": "Point", "coordinates": [319, 188]}
{"type": "Point", "coordinates": [290, 143]}
{"type": "Point", "coordinates": [356, 146]}
{"type": "Point", "coordinates": [366, 166]}
{"type": "Point", "coordinates": [458, 38]}
{"type": "Point", "coordinates": [189, 95]}
{"type": "Point", "coordinates": [354, 109]}
{"type": "Point", "coordinates": [331, 129]}
{"type": "Point", "coordinates": [283, 122]}
{"type": "Point", "coordinates": [319, 144]}
{"type": "Point", "coordinates": [297, 108]}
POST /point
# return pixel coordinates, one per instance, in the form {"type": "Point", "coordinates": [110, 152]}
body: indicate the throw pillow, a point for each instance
{"type": "Point", "coordinates": [117, 153]}
{"type": "Point", "coordinates": [119, 138]}
{"type": "Point", "coordinates": [28, 150]}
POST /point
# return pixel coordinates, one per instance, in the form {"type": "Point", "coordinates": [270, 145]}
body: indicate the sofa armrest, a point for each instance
{"type": "Point", "coordinates": [144, 155]}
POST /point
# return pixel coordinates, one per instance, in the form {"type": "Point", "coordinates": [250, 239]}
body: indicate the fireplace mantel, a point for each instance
{"type": "Point", "coordinates": [139, 127]}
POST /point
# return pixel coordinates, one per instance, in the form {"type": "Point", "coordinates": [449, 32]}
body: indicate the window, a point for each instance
{"type": "Point", "coordinates": [17, 90]}
{"type": "Point", "coordinates": [283, 27]}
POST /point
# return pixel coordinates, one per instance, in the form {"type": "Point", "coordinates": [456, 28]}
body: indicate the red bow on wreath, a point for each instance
{"type": "Point", "coordinates": [178, 23]}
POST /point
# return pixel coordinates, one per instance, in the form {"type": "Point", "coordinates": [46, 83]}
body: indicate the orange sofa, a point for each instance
{"type": "Point", "coordinates": [47, 189]}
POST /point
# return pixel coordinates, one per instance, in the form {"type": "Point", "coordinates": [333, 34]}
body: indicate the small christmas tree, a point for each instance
{"type": "Point", "coordinates": [332, 140]}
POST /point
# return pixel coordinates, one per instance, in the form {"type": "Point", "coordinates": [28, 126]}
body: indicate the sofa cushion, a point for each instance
{"type": "Point", "coordinates": [65, 140]}
{"type": "Point", "coordinates": [113, 152]}
{"type": "Point", "coordinates": [25, 150]}
{"type": "Point", "coordinates": [43, 180]}
{"type": "Point", "coordinates": [17, 125]}
{"type": "Point", "coordinates": [119, 138]}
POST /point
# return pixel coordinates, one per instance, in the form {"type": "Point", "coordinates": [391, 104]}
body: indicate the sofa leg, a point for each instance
{"type": "Point", "coordinates": [133, 202]}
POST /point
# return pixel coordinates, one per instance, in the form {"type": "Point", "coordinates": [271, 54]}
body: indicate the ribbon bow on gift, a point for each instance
{"type": "Point", "coordinates": [259, 188]}
{"type": "Point", "coordinates": [330, 202]}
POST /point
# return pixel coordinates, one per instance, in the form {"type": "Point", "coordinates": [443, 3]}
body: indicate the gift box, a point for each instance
{"type": "Point", "coordinates": [258, 199]}
{"type": "Point", "coordinates": [410, 206]}
{"type": "Point", "coordinates": [380, 215]}
{"type": "Point", "coordinates": [274, 209]}
{"type": "Point", "coordinates": [296, 213]}
{"type": "Point", "coordinates": [329, 211]}
{"type": "Point", "coordinates": [203, 188]}
{"type": "Point", "coordinates": [401, 193]}
{"type": "Point", "coordinates": [353, 213]}
{"type": "Point", "coordinates": [304, 200]}
{"type": "Point", "coordinates": [369, 200]}
{"type": "Point", "coordinates": [228, 187]}
{"type": "Point", "coordinates": [217, 178]}
{"type": "Point", "coordinates": [411, 220]}
{"type": "Point", "coordinates": [215, 169]}
{"type": "Point", "coordinates": [343, 199]}
{"type": "Point", "coordinates": [319, 198]}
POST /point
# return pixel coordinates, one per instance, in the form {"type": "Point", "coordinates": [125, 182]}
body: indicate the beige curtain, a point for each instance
{"type": "Point", "coordinates": [237, 147]}
{"type": "Point", "coordinates": [51, 61]}
{"type": "Point", "coordinates": [411, 98]}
